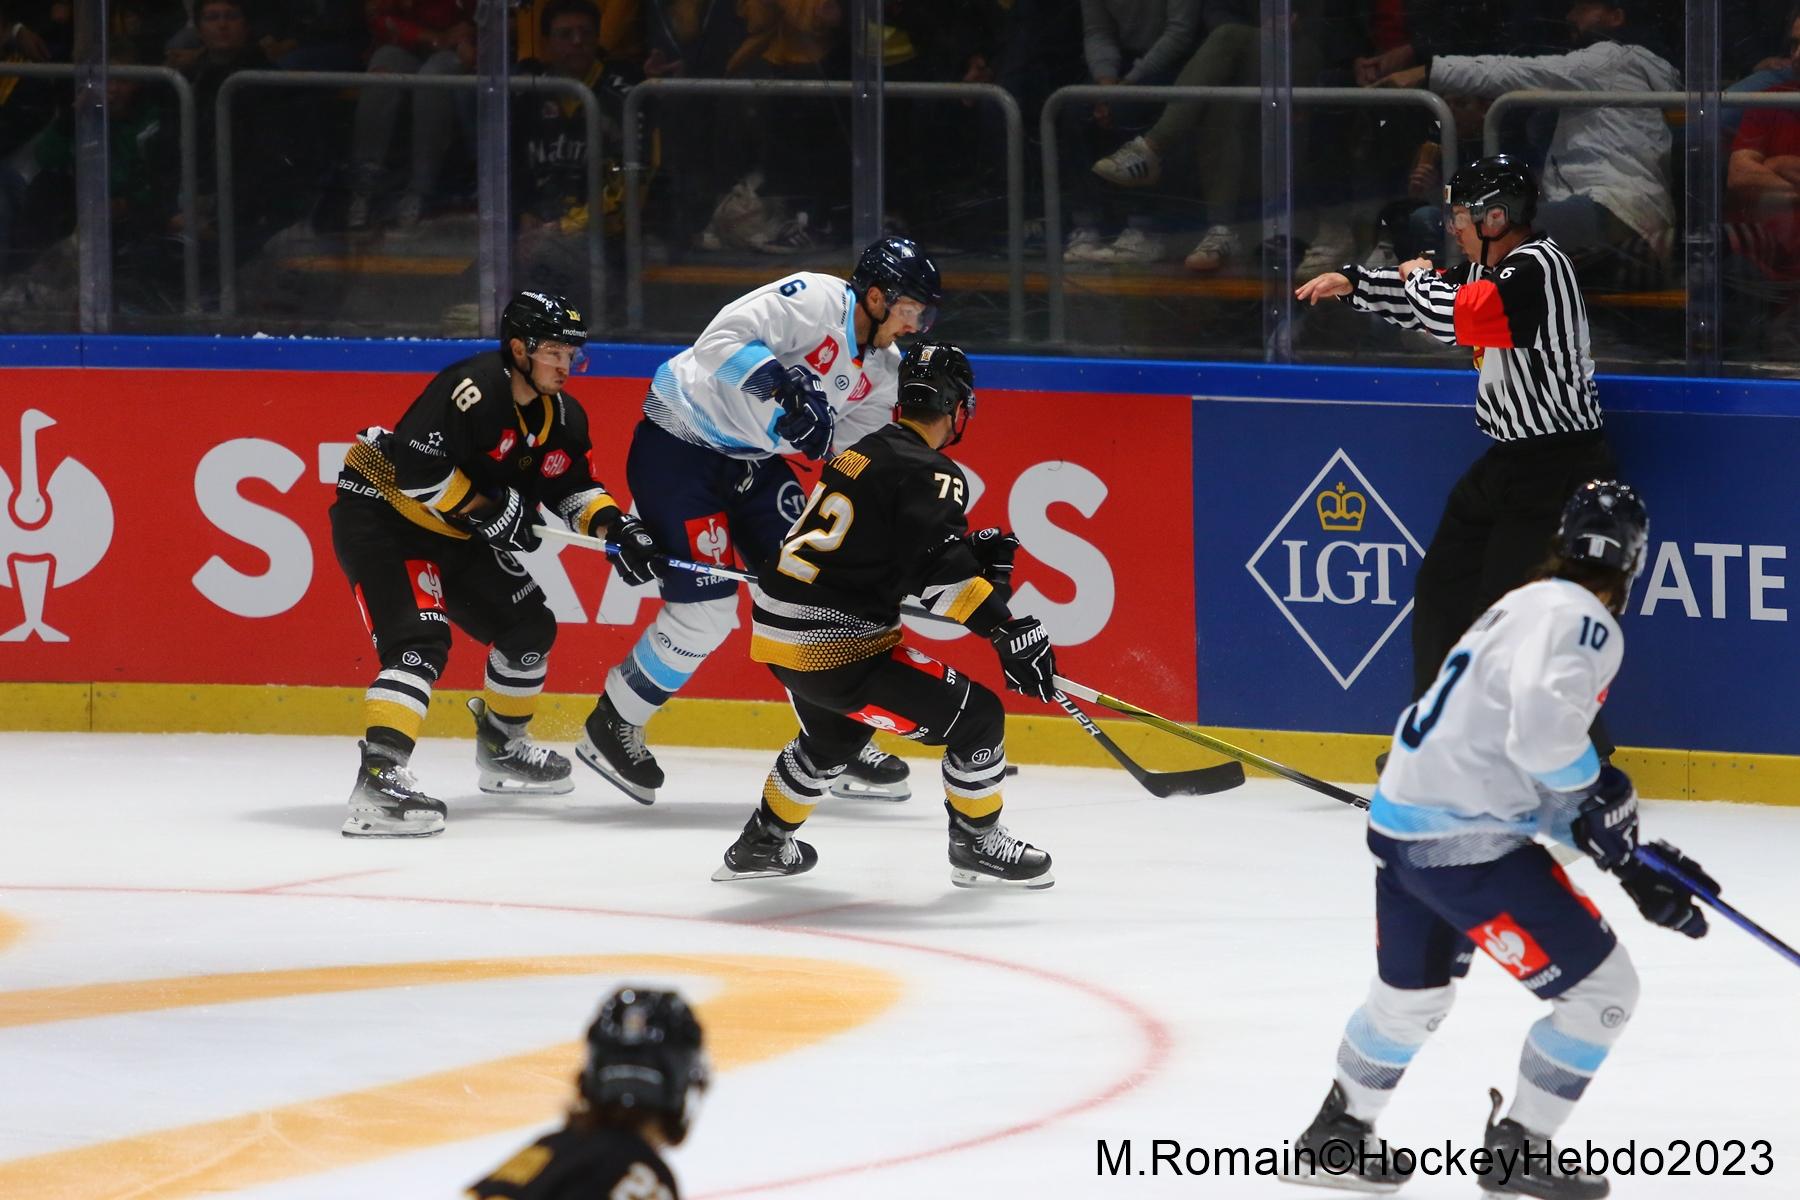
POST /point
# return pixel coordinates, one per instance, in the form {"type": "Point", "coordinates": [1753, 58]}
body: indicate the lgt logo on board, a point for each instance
{"type": "Point", "coordinates": [1339, 565]}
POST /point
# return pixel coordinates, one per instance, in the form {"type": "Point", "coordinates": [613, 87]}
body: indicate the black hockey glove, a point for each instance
{"type": "Point", "coordinates": [994, 549]}
{"type": "Point", "coordinates": [508, 524]}
{"type": "Point", "coordinates": [1661, 898]}
{"type": "Point", "coordinates": [806, 419]}
{"type": "Point", "coordinates": [1607, 829]}
{"type": "Point", "coordinates": [636, 559]}
{"type": "Point", "coordinates": [1026, 656]}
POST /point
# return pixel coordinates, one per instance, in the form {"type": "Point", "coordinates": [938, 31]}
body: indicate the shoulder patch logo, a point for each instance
{"type": "Point", "coordinates": [508, 439]}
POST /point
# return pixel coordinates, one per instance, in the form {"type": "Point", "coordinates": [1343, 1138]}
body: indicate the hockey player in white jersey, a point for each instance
{"type": "Point", "coordinates": [804, 365]}
{"type": "Point", "coordinates": [1497, 751]}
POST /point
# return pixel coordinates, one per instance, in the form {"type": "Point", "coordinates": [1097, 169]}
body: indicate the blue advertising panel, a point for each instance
{"type": "Point", "coordinates": [1310, 518]}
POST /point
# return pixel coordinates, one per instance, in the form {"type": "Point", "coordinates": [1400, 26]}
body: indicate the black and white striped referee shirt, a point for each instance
{"type": "Point", "coordinates": [1527, 323]}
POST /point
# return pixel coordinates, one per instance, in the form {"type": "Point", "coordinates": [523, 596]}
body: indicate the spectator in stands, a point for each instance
{"type": "Point", "coordinates": [1131, 42]}
{"type": "Point", "coordinates": [29, 32]}
{"type": "Point", "coordinates": [142, 147]}
{"type": "Point", "coordinates": [316, 35]}
{"type": "Point", "coordinates": [1606, 189]}
{"type": "Point", "coordinates": [1762, 227]}
{"type": "Point", "coordinates": [621, 37]}
{"type": "Point", "coordinates": [432, 37]}
{"type": "Point", "coordinates": [1770, 72]}
{"type": "Point", "coordinates": [550, 152]}
{"type": "Point", "coordinates": [784, 142]}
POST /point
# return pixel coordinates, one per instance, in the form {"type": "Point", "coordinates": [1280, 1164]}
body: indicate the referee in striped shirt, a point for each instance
{"type": "Point", "coordinates": [1516, 305]}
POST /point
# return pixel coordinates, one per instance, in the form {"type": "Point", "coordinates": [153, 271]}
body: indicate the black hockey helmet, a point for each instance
{"type": "Point", "coordinates": [898, 267]}
{"type": "Point", "coordinates": [937, 378]}
{"type": "Point", "coordinates": [1604, 523]}
{"type": "Point", "coordinates": [535, 317]}
{"type": "Point", "coordinates": [1497, 181]}
{"type": "Point", "coordinates": [644, 1054]}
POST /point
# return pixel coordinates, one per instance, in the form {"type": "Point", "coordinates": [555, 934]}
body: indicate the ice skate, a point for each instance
{"type": "Point", "coordinates": [512, 764]}
{"type": "Point", "coordinates": [1339, 1151]}
{"type": "Point", "coordinates": [387, 803]}
{"type": "Point", "coordinates": [765, 851]}
{"type": "Point", "coordinates": [874, 775]}
{"type": "Point", "coordinates": [615, 747]}
{"type": "Point", "coordinates": [991, 857]}
{"type": "Point", "coordinates": [1533, 1172]}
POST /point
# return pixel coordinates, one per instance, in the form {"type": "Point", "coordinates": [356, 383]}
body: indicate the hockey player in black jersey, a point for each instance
{"type": "Point", "coordinates": [886, 521]}
{"type": "Point", "coordinates": [427, 524]}
{"type": "Point", "coordinates": [638, 1092]}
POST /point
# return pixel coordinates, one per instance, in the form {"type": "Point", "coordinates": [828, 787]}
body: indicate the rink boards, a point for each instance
{"type": "Point", "coordinates": [1229, 544]}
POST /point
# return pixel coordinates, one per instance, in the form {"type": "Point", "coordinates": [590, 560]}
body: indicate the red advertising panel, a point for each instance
{"type": "Point", "coordinates": [169, 526]}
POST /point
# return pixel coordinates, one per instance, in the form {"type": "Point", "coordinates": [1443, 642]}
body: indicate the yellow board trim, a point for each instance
{"type": "Point", "coordinates": [767, 725]}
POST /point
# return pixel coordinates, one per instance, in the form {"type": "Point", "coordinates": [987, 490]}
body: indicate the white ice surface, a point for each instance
{"type": "Point", "coordinates": [1187, 977]}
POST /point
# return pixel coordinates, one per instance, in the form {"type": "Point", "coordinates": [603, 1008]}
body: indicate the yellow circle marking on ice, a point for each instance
{"type": "Point", "coordinates": [765, 1007]}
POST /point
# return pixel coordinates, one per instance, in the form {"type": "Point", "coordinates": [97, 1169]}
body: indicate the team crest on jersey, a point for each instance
{"type": "Point", "coordinates": [1339, 565]}
{"type": "Point", "coordinates": [822, 356]}
{"type": "Point", "coordinates": [555, 463]}
{"type": "Point", "coordinates": [427, 585]}
{"type": "Point", "coordinates": [508, 439]}
{"type": "Point", "coordinates": [863, 386]}
{"type": "Point", "coordinates": [1509, 945]}
{"type": "Point", "coordinates": [709, 539]}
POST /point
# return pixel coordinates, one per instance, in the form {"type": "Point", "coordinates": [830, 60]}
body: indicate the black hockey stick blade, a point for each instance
{"type": "Point", "coordinates": [1217, 745]}
{"type": "Point", "coordinates": [1201, 781]}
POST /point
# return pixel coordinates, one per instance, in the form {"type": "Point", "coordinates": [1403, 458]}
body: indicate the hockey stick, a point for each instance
{"type": "Point", "coordinates": [1202, 781]}
{"type": "Point", "coordinates": [1662, 866]}
{"type": "Point", "coordinates": [1199, 782]}
{"type": "Point", "coordinates": [1247, 757]}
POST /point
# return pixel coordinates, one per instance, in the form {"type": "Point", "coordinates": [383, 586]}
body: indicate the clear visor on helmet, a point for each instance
{"type": "Point", "coordinates": [559, 355]}
{"type": "Point", "coordinates": [915, 312]}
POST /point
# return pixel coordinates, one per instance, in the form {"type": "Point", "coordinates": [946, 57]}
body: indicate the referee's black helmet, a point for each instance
{"type": "Point", "coordinates": [1497, 181]}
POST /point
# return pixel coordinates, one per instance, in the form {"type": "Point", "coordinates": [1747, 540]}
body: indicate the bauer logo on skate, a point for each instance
{"type": "Point", "coordinates": [1344, 596]}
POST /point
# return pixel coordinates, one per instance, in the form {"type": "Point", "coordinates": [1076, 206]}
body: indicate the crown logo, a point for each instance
{"type": "Point", "coordinates": [1342, 511]}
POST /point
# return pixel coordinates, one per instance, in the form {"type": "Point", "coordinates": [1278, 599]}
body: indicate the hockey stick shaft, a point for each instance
{"type": "Point", "coordinates": [1204, 781]}
{"type": "Point", "coordinates": [1248, 757]}
{"type": "Point", "coordinates": [551, 533]}
{"type": "Point", "coordinates": [1662, 866]}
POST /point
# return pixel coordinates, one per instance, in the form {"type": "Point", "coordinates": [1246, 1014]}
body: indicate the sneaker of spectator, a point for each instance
{"type": "Point", "coordinates": [1218, 246]}
{"type": "Point", "coordinates": [1331, 249]}
{"type": "Point", "coordinates": [1132, 247]}
{"type": "Point", "coordinates": [742, 220]}
{"type": "Point", "coordinates": [1084, 245]}
{"type": "Point", "coordinates": [406, 211]}
{"type": "Point", "coordinates": [790, 237]}
{"type": "Point", "coordinates": [1135, 164]}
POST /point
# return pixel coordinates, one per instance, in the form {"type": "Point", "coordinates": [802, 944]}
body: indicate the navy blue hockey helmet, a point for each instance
{"type": "Point", "coordinates": [1605, 523]}
{"type": "Point", "coordinates": [645, 1054]}
{"type": "Point", "coordinates": [535, 317]}
{"type": "Point", "coordinates": [898, 267]}
{"type": "Point", "coordinates": [937, 378]}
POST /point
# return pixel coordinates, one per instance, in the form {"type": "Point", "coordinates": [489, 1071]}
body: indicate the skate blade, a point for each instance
{"type": "Point", "coordinates": [726, 874]}
{"type": "Point", "coordinates": [1341, 1183]}
{"type": "Point", "coordinates": [496, 784]}
{"type": "Point", "coordinates": [975, 879]}
{"type": "Point", "coordinates": [591, 757]}
{"type": "Point", "coordinates": [356, 827]}
{"type": "Point", "coordinates": [859, 789]}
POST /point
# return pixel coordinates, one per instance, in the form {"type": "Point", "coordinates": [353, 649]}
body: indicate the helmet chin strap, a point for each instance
{"type": "Point", "coordinates": [862, 302]}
